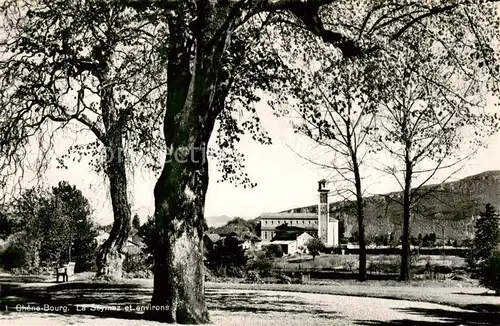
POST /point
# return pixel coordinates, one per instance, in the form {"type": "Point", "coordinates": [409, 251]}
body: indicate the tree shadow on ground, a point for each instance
{"type": "Point", "coordinates": [130, 301]}
{"type": "Point", "coordinates": [257, 302]}
{"type": "Point", "coordinates": [446, 317]}
{"type": "Point", "coordinates": [21, 279]}
{"type": "Point", "coordinates": [105, 300]}
{"type": "Point", "coordinates": [484, 294]}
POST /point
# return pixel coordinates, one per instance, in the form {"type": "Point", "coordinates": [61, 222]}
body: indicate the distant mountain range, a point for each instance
{"type": "Point", "coordinates": [447, 207]}
{"type": "Point", "coordinates": [217, 221]}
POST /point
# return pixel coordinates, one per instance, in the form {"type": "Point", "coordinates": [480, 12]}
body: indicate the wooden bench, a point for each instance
{"type": "Point", "coordinates": [66, 271]}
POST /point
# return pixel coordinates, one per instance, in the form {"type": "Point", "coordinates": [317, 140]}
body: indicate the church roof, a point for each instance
{"type": "Point", "coordinates": [304, 216]}
{"type": "Point", "coordinates": [287, 236]}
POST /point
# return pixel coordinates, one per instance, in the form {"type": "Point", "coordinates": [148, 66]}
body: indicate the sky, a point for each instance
{"type": "Point", "coordinates": [284, 178]}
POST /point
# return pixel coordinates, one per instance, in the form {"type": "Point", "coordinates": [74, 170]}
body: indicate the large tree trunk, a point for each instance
{"type": "Point", "coordinates": [179, 282]}
{"type": "Point", "coordinates": [197, 87]}
{"type": "Point", "coordinates": [110, 256]}
{"type": "Point", "coordinates": [178, 295]}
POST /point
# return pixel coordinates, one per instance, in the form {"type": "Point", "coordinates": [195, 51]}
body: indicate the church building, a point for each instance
{"type": "Point", "coordinates": [319, 223]}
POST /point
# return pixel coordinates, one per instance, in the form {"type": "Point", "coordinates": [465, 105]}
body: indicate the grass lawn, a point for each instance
{"type": "Point", "coordinates": [330, 261]}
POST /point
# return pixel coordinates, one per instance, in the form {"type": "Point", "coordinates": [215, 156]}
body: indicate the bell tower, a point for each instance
{"type": "Point", "coordinates": [327, 226]}
{"type": "Point", "coordinates": [323, 210]}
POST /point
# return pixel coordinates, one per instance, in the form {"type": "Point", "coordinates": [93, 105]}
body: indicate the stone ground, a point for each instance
{"type": "Point", "coordinates": [92, 303]}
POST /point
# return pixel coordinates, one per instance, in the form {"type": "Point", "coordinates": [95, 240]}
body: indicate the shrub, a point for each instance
{"type": "Point", "coordinates": [273, 251]}
{"type": "Point", "coordinates": [284, 279]}
{"type": "Point", "coordinates": [253, 277]}
{"type": "Point", "coordinates": [144, 274]}
{"type": "Point", "coordinates": [235, 271]}
{"type": "Point", "coordinates": [135, 266]}
{"type": "Point", "coordinates": [19, 254]}
{"type": "Point", "coordinates": [490, 272]}
{"type": "Point", "coordinates": [263, 266]}
{"type": "Point", "coordinates": [487, 235]}
{"type": "Point", "coordinates": [14, 257]}
{"type": "Point", "coordinates": [315, 246]}
{"type": "Point", "coordinates": [229, 270]}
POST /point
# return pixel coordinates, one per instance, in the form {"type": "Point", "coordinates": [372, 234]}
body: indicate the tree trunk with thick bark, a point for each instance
{"type": "Point", "coordinates": [197, 87]}
{"type": "Point", "coordinates": [110, 256]}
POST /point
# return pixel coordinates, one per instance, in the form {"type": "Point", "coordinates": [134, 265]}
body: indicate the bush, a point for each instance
{"type": "Point", "coordinates": [235, 271]}
{"type": "Point", "coordinates": [19, 254]}
{"type": "Point", "coordinates": [229, 270]}
{"type": "Point", "coordinates": [490, 273]}
{"type": "Point", "coordinates": [144, 274]}
{"type": "Point", "coordinates": [284, 279]}
{"type": "Point", "coordinates": [135, 266]}
{"type": "Point", "coordinates": [315, 246]}
{"type": "Point", "coordinates": [262, 266]}
{"type": "Point", "coordinates": [273, 251]}
{"type": "Point", "coordinates": [14, 257]}
{"type": "Point", "coordinates": [253, 277]}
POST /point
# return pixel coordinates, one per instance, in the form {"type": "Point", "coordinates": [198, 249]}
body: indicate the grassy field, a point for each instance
{"type": "Point", "coordinates": [347, 262]}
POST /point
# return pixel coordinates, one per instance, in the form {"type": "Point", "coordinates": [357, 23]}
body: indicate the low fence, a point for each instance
{"type": "Point", "coordinates": [459, 252]}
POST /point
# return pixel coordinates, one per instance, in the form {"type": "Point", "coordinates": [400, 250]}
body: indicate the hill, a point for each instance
{"type": "Point", "coordinates": [446, 207]}
{"type": "Point", "coordinates": [239, 226]}
{"type": "Point", "coordinates": [217, 221]}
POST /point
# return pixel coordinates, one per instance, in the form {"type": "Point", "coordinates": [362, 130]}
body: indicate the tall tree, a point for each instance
{"type": "Point", "coordinates": [82, 233]}
{"type": "Point", "coordinates": [431, 117]}
{"type": "Point", "coordinates": [56, 225]}
{"type": "Point", "coordinates": [87, 64]}
{"type": "Point", "coordinates": [207, 45]}
{"type": "Point", "coordinates": [337, 105]}
{"type": "Point", "coordinates": [487, 235]}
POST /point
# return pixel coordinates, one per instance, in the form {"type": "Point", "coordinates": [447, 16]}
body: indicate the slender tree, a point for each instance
{"type": "Point", "coordinates": [85, 64]}
{"type": "Point", "coordinates": [487, 235]}
{"type": "Point", "coordinates": [430, 107]}
{"type": "Point", "coordinates": [336, 105]}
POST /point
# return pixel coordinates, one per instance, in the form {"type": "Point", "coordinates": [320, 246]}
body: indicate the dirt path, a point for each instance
{"type": "Point", "coordinates": [228, 307]}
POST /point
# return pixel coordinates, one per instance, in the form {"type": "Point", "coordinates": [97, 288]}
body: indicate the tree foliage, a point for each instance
{"type": "Point", "coordinates": [273, 251]}
{"type": "Point", "coordinates": [487, 233]}
{"type": "Point", "coordinates": [91, 65]}
{"type": "Point", "coordinates": [59, 62]}
{"type": "Point", "coordinates": [490, 272]}
{"type": "Point", "coordinates": [136, 222]}
{"type": "Point", "coordinates": [315, 246]}
{"type": "Point", "coordinates": [51, 224]}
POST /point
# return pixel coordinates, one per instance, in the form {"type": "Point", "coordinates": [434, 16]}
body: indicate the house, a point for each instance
{"type": "Point", "coordinates": [251, 242]}
{"type": "Point", "coordinates": [292, 242]}
{"type": "Point", "coordinates": [319, 224]}
{"type": "Point", "coordinates": [133, 246]}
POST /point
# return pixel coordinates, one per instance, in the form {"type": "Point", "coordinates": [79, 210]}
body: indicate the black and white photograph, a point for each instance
{"type": "Point", "coordinates": [249, 162]}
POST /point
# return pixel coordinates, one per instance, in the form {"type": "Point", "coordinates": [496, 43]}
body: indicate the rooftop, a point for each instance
{"type": "Point", "coordinates": [289, 216]}
{"type": "Point", "coordinates": [288, 235]}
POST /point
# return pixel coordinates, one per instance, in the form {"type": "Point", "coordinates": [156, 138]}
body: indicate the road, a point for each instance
{"type": "Point", "coordinates": [264, 308]}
